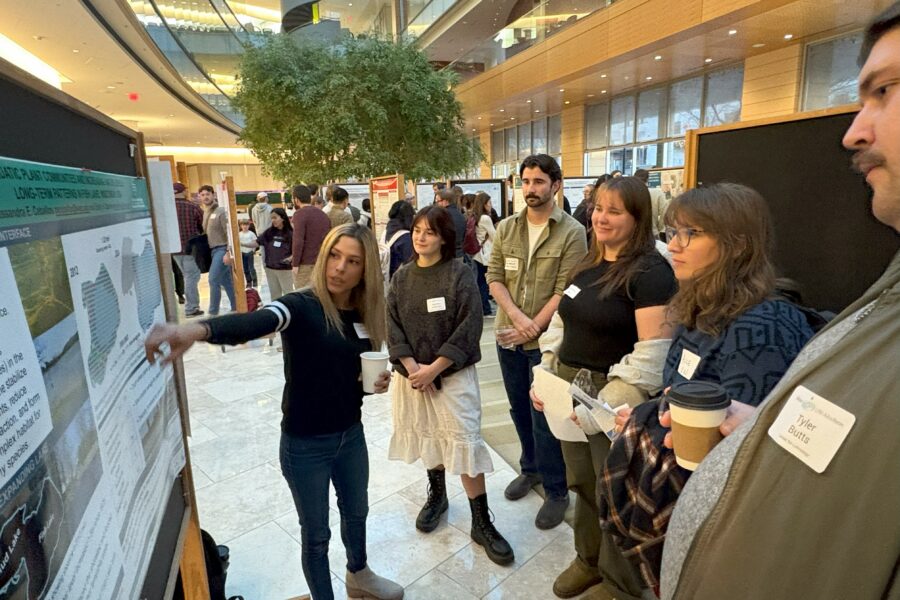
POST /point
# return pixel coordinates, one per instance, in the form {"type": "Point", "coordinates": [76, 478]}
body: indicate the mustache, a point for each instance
{"type": "Point", "coordinates": [535, 196]}
{"type": "Point", "coordinates": [865, 160]}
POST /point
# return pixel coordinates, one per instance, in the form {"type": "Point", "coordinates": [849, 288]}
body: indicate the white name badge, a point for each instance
{"type": "Point", "coordinates": [436, 304]}
{"type": "Point", "coordinates": [689, 363]}
{"type": "Point", "coordinates": [572, 291]}
{"type": "Point", "coordinates": [512, 264]}
{"type": "Point", "coordinates": [811, 428]}
{"type": "Point", "coordinates": [213, 216]}
{"type": "Point", "coordinates": [276, 244]}
{"type": "Point", "coordinates": [361, 331]}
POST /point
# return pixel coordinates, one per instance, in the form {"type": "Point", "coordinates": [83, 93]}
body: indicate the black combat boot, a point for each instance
{"type": "Point", "coordinates": [486, 535]}
{"type": "Point", "coordinates": [436, 504]}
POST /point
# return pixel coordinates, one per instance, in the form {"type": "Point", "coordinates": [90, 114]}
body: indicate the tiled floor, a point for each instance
{"type": "Point", "coordinates": [244, 502]}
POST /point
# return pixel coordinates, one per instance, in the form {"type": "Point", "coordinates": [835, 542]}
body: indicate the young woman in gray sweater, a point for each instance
{"type": "Point", "coordinates": [434, 332]}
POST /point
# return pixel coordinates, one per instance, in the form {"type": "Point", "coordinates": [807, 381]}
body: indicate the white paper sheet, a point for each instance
{"type": "Point", "coordinates": [554, 392]}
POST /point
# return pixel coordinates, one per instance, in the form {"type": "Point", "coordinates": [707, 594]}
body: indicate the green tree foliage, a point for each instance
{"type": "Point", "coordinates": [362, 108]}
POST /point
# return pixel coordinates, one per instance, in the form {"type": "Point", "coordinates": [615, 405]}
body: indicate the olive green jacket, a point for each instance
{"type": "Point", "coordinates": [782, 531]}
{"type": "Point", "coordinates": [561, 246]}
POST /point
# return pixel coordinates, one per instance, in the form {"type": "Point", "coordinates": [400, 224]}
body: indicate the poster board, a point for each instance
{"type": "Point", "coordinates": [94, 493]}
{"type": "Point", "coordinates": [357, 192]}
{"type": "Point", "coordinates": [383, 192]}
{"type": "Point", "coordinates": [425, 193]}
{"type": "Point", "coordinates": [826, 237]}
{"type": "Point", "coordinates": [573, 189]}
{"type": "Point", "coordinates": [670, 181]}
{"type": "Point", "coordinates": [495, 188]}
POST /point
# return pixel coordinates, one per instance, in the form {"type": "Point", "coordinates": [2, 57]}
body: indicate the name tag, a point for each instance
{"type": "Point", "coordinates": [436, 304]}
{"type": "Point", "coordinates": [689, 363]}
{"type": "Point", "coordinates": [572, 291]}
{"type": "Point", "coordinates": [361, 331]}
{"type": "Point", "coordinates": [213, 216]}
{"type": "Point", "coordinates": [512, 264]}
{"type": "Point", "coordinates": [811, 428]}
{"type": "Point", "coordinates": [277, 244]}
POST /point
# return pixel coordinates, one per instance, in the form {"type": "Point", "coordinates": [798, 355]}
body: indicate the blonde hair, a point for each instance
{"type": "Point", "coordinates": [742, 276]}
{"type": "Point", "coordinates": [368, 295]}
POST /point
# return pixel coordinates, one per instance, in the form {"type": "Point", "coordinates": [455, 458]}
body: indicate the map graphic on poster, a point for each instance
{"type": "Point", "coordinates": [90, 435]}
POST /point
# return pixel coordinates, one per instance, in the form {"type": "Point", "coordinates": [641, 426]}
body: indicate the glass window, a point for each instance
{"type": "Point", "coordinates": [512, 147]}
{"type": "Point", "coordinates": [648, 156]}
{"type": "Point", "coordinates": [595, 163]}
{"type": "Point", "coordinates": [498, 146]}
{"type": "Point", "coordinates": [524, 140]}
{"type": "Point", "coordinates": [539, 136]}
{"type": "Point", "coordinates": [554, 135]}
{"type": "Point", "coordinates": [651, 117]}
{"type": "Point", "coordinates": [685, 101]}
{"type": "Point", "coordinates": [673, 154]}
{"type": "Point", "coordinates": [723, 96]}
{"type": "Point", "coordinates": [500, 171]}
{"type": "Point", "coordinates": [596, 125]}
{"type": "Point", "coordinates": [829, 78]}
{"type": "Point", "coordinates": [621, 121]}
{"type": "Point", "coordinates": [620, 159]}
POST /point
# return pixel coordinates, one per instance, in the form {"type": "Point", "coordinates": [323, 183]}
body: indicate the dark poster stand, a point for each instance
{"type": "Point", "coordinates": [44, 125]}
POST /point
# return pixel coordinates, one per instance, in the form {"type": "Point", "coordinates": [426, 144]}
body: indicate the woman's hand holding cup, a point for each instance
{"type": "Point", "coordinates": [382, 382]}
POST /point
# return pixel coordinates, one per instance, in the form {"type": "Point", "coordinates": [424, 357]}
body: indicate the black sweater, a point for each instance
{"type": "Point", "coordinates": [453, 331]}
{"type": "Point", "coordinates": [322, 390]}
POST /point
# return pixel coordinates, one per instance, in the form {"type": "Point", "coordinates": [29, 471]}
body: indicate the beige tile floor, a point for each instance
{"type": "Point", "coordinates": [243, 501]}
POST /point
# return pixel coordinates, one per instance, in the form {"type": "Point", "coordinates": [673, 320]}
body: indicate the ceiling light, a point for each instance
{"type": "Point", "coordinates": [602, 91]}
{"type": "Point", "coordinates": [562, 89]}
{"type": "Point", "coordinates": [568, 102]}
{"type": "Point", "coordinates": [657, 57]}
{"type": "Point", "coordinates": [708, 60]}
{"type": "Point", "coordinates": [603, 76]}
{"type": "Point", "coordinates": [648, 77]}
{"type": "Point", "coordinates": [758, 45]}
{"type": "Point", "coordinates": [732, 31]}
{"type": "Point", "coordinates": [537, 110]}
{"type": "Point", "coordinates": [512, 118]}
{"type": "Point", "coordinates": [110, 87]}
{"type": "Point", "coordinates": [502, 110]}
{"type": "Point", "coordinates": [25, 60]}
{"type": "Point", "coordinates": [590, 95]}
{"type": "Point", "coordinates": [76, 50]}
{"type": "Point", "coordinates": [479, 118]}
{"type": "Point", "coordinates": [627, 78]}
{"type": "Point", "coordinates": [473, 129]}
{"type": "Point", "coordinates": [789, 36]}
{"type": "Point", "coordinates": [492, 124]}
{"type": "Point", "coordinates": [528, 101]}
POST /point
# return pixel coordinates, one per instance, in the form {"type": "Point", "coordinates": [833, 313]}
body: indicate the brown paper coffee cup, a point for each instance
{"type": "Point", "coordinates": [698, 408]}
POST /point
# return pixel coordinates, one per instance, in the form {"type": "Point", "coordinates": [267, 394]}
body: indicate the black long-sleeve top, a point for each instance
{"type": "Point", "coordinates": [322, 388]}
{"type": "Point", "coordinates": [434, 311]}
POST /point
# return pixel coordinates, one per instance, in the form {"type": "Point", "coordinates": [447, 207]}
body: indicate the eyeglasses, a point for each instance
{"type": "Point", "coordinates": [683, 235]}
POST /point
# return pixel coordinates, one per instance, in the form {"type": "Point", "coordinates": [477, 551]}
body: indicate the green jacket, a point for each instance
{"type": "Point", "coordinates": [782, 531]}
{"type": "Point", "coordinates": [561, 246]}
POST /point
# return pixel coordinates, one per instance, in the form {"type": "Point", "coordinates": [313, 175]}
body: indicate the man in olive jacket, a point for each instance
{"type": "Point", "coordinates": [528, 272]}
{"type": "Point", "coordinates": [801, 499]}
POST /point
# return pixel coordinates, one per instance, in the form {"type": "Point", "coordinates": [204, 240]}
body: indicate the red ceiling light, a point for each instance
{"type": "Point", "coordinates": [133, 96]}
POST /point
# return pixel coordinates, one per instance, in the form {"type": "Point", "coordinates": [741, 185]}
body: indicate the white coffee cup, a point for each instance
{"type": "Point", "coordinates": [373, 364]}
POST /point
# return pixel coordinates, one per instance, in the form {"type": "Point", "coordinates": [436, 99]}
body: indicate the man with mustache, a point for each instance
{"type": "Point", "coordinates": [530, 263]}
{"type": "Point", "coordinates": [814, 515]}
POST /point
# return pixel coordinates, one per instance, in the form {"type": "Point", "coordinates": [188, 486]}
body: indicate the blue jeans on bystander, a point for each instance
{"type": "Point", "coordinates": [219, 277]}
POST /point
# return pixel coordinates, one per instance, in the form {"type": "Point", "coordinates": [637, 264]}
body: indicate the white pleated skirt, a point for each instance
{"type": "Point", "coordinates": [442, 428]}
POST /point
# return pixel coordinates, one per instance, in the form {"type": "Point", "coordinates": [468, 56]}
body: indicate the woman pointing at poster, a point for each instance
{"type": "Point", "coordinates": [323, 329]}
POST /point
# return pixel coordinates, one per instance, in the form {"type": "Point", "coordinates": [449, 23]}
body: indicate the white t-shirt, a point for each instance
{"type": "Point", "coordinates": [246, 237]}
{"type": "Point", "coordinates": [534, 234]}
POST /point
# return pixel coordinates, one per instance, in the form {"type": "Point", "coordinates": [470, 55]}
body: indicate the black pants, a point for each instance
{"type": "Point", "coordinates": [179, 279]}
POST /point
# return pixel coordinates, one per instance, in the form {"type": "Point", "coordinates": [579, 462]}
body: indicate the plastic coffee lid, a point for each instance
{"type": "Point", "coordinates": [699, 395]}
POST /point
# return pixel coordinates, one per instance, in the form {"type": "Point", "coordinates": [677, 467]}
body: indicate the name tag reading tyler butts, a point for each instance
{"type": "Point", "coordinates": [361, 331]}
{"type": "Point", "coordinates": [811, 428]}
{"type": "Point", "coordinates": [689, 363]}
{"type": "Point", "coordinates": [512, 264]}
{"type": "Point", "coordinates": [436, 304]}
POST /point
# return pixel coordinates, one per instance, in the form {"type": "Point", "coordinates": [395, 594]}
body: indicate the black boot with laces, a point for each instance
{"type": "Point", "coordinates": [486, 535]}
{"type": "Point", "coordinates": [436, 504]}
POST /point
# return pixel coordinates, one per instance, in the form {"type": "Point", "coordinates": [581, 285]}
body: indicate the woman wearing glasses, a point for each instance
{"type": "Point", "coordinates": [730, 329]}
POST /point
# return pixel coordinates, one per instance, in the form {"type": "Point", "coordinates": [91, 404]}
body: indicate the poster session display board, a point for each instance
{"type": "Point", "coordinates": [495, 188]}
{"type": "Point", "coordinates": [670, 181]}
{"type": "Point", "coordinates": [357, 192]}
{"type": "Point", "coordinates": [826, 238]}
{"type": "Point", "coordinates": [573, 189]}
{"type": "Point", "coordinates": [425, 194]}
{"type": "Point", "coordinates": [90, 434]}
{"type": "Point", "coordinates": [383, 192]}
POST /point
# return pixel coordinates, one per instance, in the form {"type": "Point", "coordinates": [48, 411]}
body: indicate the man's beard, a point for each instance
{"type": "Point", "coordinates": [536, 201]}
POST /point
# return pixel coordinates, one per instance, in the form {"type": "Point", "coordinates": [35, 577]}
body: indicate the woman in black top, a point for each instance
{"type": "Point", "coordinates": [613, 316]}
{"type": "Point", "coordinates": [276, 244]}
{"type": "Point", "coordinates": [323, 330]}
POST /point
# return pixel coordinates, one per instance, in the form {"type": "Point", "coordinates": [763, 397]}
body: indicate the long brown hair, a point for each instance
{"type": "Point", "coordinates": [742, 276]}
{"type": "Point", "coordinates": [368, 295]}
{"type": "Point", "coordinates": [478, 206]}
{"type": "Point", "coordinates": [629, 262]}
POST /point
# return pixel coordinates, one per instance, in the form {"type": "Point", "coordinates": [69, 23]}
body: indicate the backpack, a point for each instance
{"type": "Point", "coordinates": [384, 254]}
{"type": "Point", "coordinates": [253, 299]}
{"type": "Point", "coordinates": [470, 241]}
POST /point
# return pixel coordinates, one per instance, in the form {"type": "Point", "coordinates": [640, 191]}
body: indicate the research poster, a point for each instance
{"type": "Point", "coordinates": [90, 437]}
{"type": "Point", "coordinates": [573, 189]}
{"type": "Point", "coordinates": [384, 192]}
{"type": "Point", "coordinates": [491, 187]}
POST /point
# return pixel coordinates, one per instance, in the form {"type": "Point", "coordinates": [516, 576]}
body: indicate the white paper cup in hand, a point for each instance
{"type": "Point", "coordinates": [373, 364]}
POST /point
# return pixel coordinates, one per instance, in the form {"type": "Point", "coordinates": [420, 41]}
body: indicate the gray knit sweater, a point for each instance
{"type": "Point", "coordinates": [434, 311]}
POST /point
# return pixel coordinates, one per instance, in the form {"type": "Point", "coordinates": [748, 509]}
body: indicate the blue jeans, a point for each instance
{"type": "Point", "coordinates": [219, 276]}
{"type": "Point", "coordinates": [308, 463]}
{"type": "Point", "coordinates": [481, 280]}
{"type": "Point", "coordinates": [541, 451]}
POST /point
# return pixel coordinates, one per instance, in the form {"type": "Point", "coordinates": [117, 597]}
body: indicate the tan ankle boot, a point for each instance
{"type": "Point", "coordinates": [366, 584]}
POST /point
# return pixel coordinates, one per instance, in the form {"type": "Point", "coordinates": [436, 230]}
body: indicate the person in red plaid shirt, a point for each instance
{"type": "Point", "coordinates": [190, 223]}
